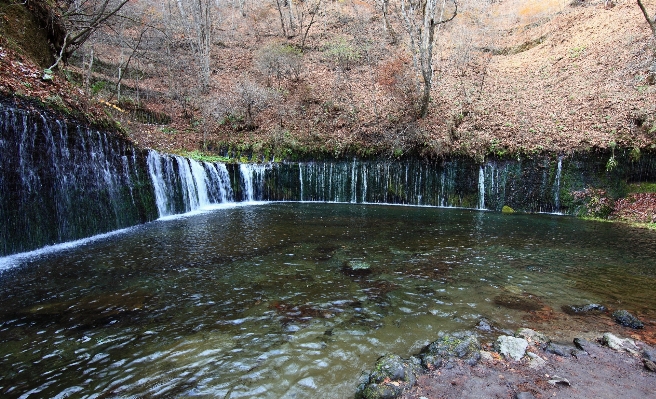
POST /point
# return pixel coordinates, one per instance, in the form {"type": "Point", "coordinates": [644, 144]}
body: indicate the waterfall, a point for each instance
{"type": "Point", "coordinates": [221, 188]}
{"type": "Point", "coordinates": [183, 185]}
{"type": "Point", "coordinates": [354, 183]}
{"type": "Point", "coordinates": [252, 177]}
{"type": "Point", "coordinates": [300, 179]}
{"type": "Point", "coordinates": [481, 188]}
{"type": "Point", "coordinates": [559, 170]}
{"type": "Point", "coordinates": [61, 182]}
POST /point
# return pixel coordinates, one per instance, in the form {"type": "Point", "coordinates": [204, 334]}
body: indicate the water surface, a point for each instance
{"type": "Point", "coordinates": [271, 300]}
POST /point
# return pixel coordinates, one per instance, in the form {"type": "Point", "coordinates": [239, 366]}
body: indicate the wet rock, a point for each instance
{"type": "Point", "coordinates": [484, 325]}
{"type": "Point", "coordinates": [532, 336]}
{"type": "Point", "coordinates": [619, 344]}
{"type": "Point", "coordinates": [560, 350]}
{"type": "Point", "coordinates": [592, 308]}
{"type": "Point", "coordinates": [626, 319]}
{"type": "Point", "coordinates": [391, 375]}
{"type": "Point", "coordinates": [511, 347]}
{"type": "Point", "coordinates": [449, 348]}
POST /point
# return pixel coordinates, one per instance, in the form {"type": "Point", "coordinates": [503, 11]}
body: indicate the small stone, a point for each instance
{"type": "Point", "coordinates": [531, 335]}
{"type": "Point", "coordinates": [511, 347]}
{"type": "Point", "coordinates": [536, 361]}
{"type": "Point", "coordinates": [626, 319]}
{"type": "Point", "coordinates": [484, 325]}
{"type": "Point", "coordinates": [560, 350]}
{"type": "Point", "coordinates": [649, 365]}
{"type": "Point", "coordinates": [486, 356]}
{"type": "Point", "coordinates": [555, 380]}
{"type": "Point", "coordinates": [449, 347]}
{"type": "Point", "coordinates": [649, 354]}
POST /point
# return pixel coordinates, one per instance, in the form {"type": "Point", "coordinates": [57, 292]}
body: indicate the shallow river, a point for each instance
{"type": "Point", "coordinates": [295, 300]}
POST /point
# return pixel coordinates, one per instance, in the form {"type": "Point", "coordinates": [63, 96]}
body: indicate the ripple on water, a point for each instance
{"type": "Point", "coordinates": [254, 302]}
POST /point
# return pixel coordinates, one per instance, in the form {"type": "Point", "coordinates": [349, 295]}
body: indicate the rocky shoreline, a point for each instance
{"type": "Point", "coordinates": [523, 365]}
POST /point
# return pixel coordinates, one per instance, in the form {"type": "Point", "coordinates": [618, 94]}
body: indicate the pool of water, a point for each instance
{"type": "Point", "coordinates": [295, 300]}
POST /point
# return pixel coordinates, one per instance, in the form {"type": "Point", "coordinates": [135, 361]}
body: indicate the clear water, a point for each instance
{"type": "Point", "coordinates": [255, 301]}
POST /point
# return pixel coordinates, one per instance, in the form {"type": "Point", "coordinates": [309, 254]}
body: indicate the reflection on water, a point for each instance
{"type": "Point", "coordinates": [295, 300]}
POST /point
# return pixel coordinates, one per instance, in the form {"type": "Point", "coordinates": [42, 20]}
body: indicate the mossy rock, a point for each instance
{"type": "Point", "coordinates": [391, 375]}
{"type": "Point", "coordinates": [507, 209]}
{"type": "Point", "coordinates": [450, 347]}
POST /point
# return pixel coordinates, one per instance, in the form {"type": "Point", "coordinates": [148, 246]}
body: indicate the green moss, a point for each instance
{"type": "Point", "coordinates": [24, 33]}
{"type": "Point", "coordinates": [641, 187]}
{"type": "Point", "coordinates": [507, 209]}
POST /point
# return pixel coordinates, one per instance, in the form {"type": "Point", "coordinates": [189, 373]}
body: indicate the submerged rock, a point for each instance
{"type": "Point", "coordinates": [511, 347]}
{"type": "Point", "coordinates": [392, 374]}
{"type": "Point", "coordinates": [591, 308]}
{"type": "Point", "coordinates": [356, 268]}
{"type": "Point", "coordinates": [626, 319]}
{"type": "Point", "coordinates": [450, 347]}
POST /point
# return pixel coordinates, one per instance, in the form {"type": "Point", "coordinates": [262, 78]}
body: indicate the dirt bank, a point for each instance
{"type": "Point", "coordinates": [598, 372]}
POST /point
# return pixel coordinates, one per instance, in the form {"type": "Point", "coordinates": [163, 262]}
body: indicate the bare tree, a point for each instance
{"type": "Point", "coordinates": [280, 61]}
{"type": "Point", "coordinates": [250, 99]}
{"type": "Point", "coordinates": [198, 24]}
{"type": "Point", "coordinates": [650, 20]}
{"type": "Point", "coordinates": [652, 25]}
{"type": "Point", "coordinates": [387, 26]}
{"type": "Point", "coordinates": [301, 15]}
{"type": "Point", "coordinates": [421, 19]}
{"type": "Point", "coordinates": [80, 20]}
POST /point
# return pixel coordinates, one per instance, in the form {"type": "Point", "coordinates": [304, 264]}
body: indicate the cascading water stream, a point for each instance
{"type": "Point", "coordinates": [481, 188]}
{"type": "Point", "coordinates": [559, 170]}
{"type": "Point", "coordinates": [184, 185]}
{"type": "Point", "coordinates": [60, 182]}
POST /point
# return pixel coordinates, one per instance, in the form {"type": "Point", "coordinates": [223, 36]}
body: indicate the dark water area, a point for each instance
{"type": "Point", "coordinates": [283, 300]}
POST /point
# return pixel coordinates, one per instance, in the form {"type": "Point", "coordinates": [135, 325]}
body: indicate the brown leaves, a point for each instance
{"type": "Point", "coordinates": [637, 207]}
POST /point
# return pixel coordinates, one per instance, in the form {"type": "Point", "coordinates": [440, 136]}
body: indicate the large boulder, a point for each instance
{"type": "Point", "coordinates": [449, 348]}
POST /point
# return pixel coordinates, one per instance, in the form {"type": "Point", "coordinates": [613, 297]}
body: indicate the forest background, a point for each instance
{"type": "Point", "coordinates": [277, 79]}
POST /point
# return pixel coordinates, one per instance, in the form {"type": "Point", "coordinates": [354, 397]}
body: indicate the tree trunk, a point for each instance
{"type": "Point", "coordinates": [282, 18]}
{"type": "Point", "coordinates": [650, 21]}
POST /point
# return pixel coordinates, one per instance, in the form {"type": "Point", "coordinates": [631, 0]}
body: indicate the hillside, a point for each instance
{"type": "Point", "coordinates": [512, 76]}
